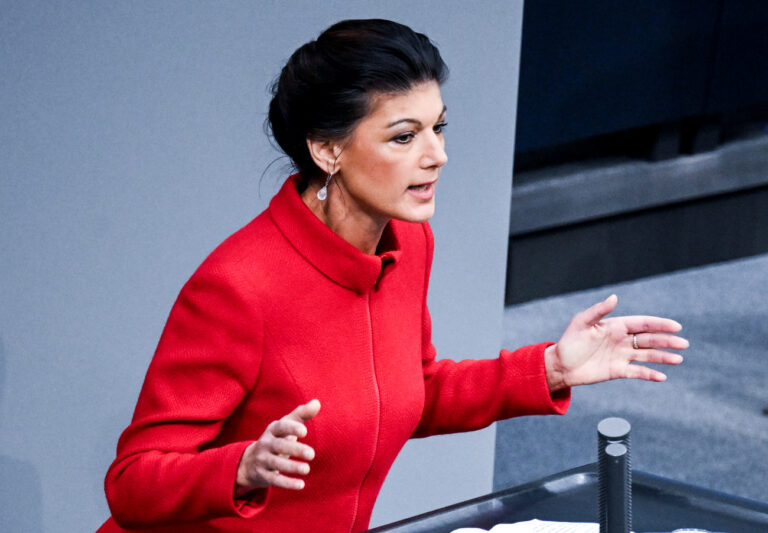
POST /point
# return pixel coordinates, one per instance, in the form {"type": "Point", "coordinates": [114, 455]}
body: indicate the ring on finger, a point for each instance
{"type": "Point", "coordinates": [634, 341]}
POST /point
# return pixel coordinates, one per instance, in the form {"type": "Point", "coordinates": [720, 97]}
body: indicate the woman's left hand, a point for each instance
{"type": "Point", "coordinates": [595, 349]}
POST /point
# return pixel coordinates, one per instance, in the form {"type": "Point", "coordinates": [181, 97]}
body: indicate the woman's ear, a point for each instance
{"type": "Point", "coordinates": [325, 154]}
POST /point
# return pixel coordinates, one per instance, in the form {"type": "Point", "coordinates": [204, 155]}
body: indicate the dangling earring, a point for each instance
{"type": "Point", "coordinates": [322, 194]}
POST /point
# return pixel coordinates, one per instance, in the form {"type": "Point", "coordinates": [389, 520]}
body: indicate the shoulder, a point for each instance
{"type": "Point", "coordinates": [240, 260]}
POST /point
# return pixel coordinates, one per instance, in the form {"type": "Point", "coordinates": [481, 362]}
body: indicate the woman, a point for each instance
{"type": "Point", "coordinates": [321, 301]}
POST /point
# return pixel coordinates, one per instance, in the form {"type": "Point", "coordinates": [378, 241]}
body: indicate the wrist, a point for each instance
{"type": "Point", "coordinates": [242, 482]}
{"type": "Point", "coordinates": [555, 377]}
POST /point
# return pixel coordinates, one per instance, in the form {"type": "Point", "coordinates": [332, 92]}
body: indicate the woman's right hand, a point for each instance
{"type": "Point", "coordinates": [267, 461]}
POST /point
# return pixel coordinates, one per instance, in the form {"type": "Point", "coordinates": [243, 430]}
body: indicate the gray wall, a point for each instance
{"type": "Point", "coordinates": [130, 145]}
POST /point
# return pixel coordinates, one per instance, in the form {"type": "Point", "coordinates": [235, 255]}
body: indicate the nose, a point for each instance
{"type": "Point", "coordinates": [434, 155]}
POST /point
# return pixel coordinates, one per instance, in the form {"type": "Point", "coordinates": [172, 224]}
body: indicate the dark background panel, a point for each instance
{"type": "Point", "coordinates": [590, 69]}
{"type": "Point", "coordinates": [636, 245]}
{"type": "Point", "coordinates": [609, 84]}
{"type": "Point", "coordinates": [741, 75]}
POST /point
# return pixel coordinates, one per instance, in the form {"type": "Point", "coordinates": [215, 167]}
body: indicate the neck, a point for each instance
{"type": "Point", "coordinates": [359, 228]}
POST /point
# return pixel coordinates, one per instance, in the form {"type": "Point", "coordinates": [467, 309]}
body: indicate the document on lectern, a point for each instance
{"type": "Point", "coordinates": [543, 526]}
{"type": "Point", "coordinates": [536, 526]}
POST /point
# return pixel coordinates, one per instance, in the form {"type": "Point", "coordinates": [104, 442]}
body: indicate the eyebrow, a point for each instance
{"type": "Point", "coordinates": [413, 120]}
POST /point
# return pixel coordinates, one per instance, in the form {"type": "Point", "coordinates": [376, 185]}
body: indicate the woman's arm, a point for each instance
{"type": "Point", "coordinates": [168, 469]}
{"type": "Point", "coordinates": [472, 394]}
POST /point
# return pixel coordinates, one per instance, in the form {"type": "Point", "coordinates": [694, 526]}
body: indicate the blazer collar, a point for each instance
{"type": "Point", "coordinates": [325, 250]}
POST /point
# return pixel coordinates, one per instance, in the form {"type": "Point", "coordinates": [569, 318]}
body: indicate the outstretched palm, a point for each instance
{"type": "Point", "coordinates": [594, 348]}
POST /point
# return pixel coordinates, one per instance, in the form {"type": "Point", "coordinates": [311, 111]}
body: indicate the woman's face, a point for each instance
{"type": "Point", "coordinates": [390, 164]}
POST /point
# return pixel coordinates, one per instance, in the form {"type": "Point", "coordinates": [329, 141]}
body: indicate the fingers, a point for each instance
{"type": "Point", "coordinates": [258, 468]}
{"type": "Point", "coordinates": [291, 448]}
{"type": "Point", "coordinates": [273, 458]}
{"type": "Point", "coordinates": [305, 412]}
{"type": "Point", "coordinates": [595, 314]}
{"type": "Point", "coordinates": [273, 461]}
{"type": "Point", "coordinates": [289, 429]}
{"type": "Point", "coordinates": [277, 479]}
{"type": "Point", "coordinates": [652, 355]}
{"type": "Point", "coordinates": [292, 424]}
{"type": "Point", "coordinates": [657, 356]}
{"type": "Point", "coordinates": [642, 324]}
{"type": "Point", "coordinates": [657, 340]}
{"type": "Point", "coordinates": [286, 427]}
{"type": "Point", "coordinates": [261, 467]}
{"type": "Point", "coordinates": [285, 465]}
{"type": "Point", "coordinates": [644, 373]}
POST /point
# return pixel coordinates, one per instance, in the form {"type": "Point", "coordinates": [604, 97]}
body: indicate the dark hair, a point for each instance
{"type": "Point", "coordinates": [325, 88]}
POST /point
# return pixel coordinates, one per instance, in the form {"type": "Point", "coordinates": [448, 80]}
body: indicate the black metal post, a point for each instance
{"type": "Point", "coordinates": [614, 476]}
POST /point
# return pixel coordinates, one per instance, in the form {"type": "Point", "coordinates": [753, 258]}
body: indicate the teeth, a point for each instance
{"type": "Point", "coordinates": [420, 187]}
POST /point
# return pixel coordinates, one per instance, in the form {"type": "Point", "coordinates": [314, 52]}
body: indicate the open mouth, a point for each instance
{"type": "Point", "coordinates": [423, 191]}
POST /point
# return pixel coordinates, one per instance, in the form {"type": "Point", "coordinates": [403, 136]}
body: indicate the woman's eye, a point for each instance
{"type": "Point", "coordinates": [439, 127]}
{"type": "Point", "coordinates": [403, 138]}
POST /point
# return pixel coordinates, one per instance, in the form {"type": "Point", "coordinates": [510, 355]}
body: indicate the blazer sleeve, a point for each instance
{"type": "Point", "coordinates": [167, 468]}
{"type": "Point", "coordinates": [472, 394]}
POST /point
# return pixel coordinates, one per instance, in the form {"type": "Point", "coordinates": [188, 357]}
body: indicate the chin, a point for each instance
{"type": "Point", "coordinates": [419, 215]}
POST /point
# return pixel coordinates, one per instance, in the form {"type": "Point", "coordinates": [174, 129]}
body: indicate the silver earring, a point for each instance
{"type": "Point", "coordinates": [322, 194]}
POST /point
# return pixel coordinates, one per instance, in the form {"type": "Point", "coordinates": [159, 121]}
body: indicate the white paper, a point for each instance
{"type": "Point", "coordinates": [536, 526]}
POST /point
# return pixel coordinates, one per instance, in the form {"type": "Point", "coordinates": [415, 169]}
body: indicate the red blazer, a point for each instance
{"type": "Point", "coordinates": [282, 312]}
